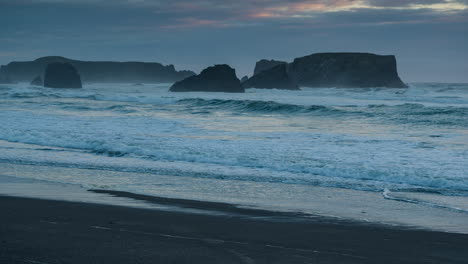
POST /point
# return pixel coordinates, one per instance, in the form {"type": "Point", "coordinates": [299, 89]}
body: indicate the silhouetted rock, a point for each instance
{"type": "Point", "coordinates": [61, 75]}
{"type": "Point", "coordinates": [263, 65]}
{"type": "Point", "coordinates": [37, 81]}
{"type": "Point", "coordinates": [345, 70]}
{"type": "Point", "coordinates": [99, 71]}
{"type": "Point", "coordinates": [4, 79]}
{"type": "Point", "coordinates": [218, 78]}
{"type": "Point", "coordinates": [276, 77]}
{"type": "Point", "coordinates": [330, 70]}
{"type": "Point", "coordinates": [245, 78]}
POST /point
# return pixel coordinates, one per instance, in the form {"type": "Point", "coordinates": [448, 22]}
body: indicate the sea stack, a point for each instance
{"type": "Point", "coordinates": [346, 70]}
{"type": "Point", "coordinates": [218, 78]}
{"type": "Point", "coordinates": [274, 78]}
{"type": "Point", "coordinates": [37, 81]}
{"type": "Point", "coordinates": [263, 65]}
{"type": "Point", "coordinates": [61, 75]}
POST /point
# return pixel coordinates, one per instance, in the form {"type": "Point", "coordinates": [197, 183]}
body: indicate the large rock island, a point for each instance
{"type": "Point", "coordinates": [97, 71]}
{"type": "Point", "coordinates": [346, 70]}
{"type": "Point", "coordinates": [61, 75]}
{"type": "Point", "coordinates": [218, 78]}
{"type": "Point", "coordinates": [353, 70]}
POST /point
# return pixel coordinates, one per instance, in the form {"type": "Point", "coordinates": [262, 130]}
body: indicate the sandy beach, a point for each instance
{"type": "Point", "coordinates": [46, 231]}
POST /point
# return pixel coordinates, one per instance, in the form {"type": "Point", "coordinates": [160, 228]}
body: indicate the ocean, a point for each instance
{"type": "Point", "coordinates": [284, 150]}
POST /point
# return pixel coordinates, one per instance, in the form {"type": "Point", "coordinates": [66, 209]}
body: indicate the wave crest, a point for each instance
{"type": "Point", "coordinates": [253, 106]}
{"type": "Point", "coordinates": [402, 113]}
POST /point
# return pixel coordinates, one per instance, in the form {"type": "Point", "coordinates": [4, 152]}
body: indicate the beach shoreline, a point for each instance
{"type": "Point", "coordinates": [193, 195]}
{"type": "Point", "coordinates": [48, 231]}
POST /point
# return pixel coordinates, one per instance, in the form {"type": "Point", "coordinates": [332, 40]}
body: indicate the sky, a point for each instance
{"type": "Point", "coordinates": [428, 37]}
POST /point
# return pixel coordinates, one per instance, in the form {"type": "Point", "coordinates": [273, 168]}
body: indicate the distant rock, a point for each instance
{"type": "Point", "coordinates": [5, 80]}
{"type": "Point", "coordinates": [345, 70]}
{"type": "Point", "coordinates": [218, 78]}
{"type": "Point", "coordinates": [263, 65]}
{"type": "Point", "coordinates": [354, 70]}
{"type": "Point", "coordinates": [61, 75]}
{"type": "Point", "coordinates": [37, 81]}
{"type": "Point", "coordinates": [245, 78]}
{"type": "Point", "coordinates": [276, 77]}
{"type": "Point", "coordinates": [98, 71]}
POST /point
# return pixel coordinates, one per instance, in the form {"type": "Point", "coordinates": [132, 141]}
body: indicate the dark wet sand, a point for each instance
{"type": "Point", "coordinates": [43, 231]}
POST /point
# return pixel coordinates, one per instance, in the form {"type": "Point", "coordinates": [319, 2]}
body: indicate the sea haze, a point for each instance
{"type": "Point", "coordinates": [406, 145]}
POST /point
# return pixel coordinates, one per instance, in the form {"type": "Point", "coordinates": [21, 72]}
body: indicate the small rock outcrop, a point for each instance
{"type": "Point", "coordinates": [245, 78]}
{"type": "Point", "coordinates": [263, 65]}
{"type": "Point", "coordinates": [61, 75]}
{"type": "Point", "coordinates": [274, 78]}
{"type": "Point", "coordinates": [356, 70]}
{"type": "Point", "coordinates": [218, 78]}
{"type": "Point", "coordinates": [37, 81]}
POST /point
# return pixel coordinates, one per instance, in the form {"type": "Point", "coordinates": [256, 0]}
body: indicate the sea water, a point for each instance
{"type": "Point", "coordinates": [275, 148]}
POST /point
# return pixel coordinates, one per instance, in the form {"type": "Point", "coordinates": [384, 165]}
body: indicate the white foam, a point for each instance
{"type": "Point", "coordinates": [145, 124]}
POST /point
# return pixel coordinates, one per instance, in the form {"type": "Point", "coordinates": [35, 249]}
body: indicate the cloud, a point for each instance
{"type": "Point", "coordinates": [134, 15]}
{"type": "Point", "coordinates": [183, 14]}
{"type": "Point", "coordinates": [194, 34]}
{"type": "Point", "coordinates": [104, 17]}
{"type": "Point", "coordinates": [401, 3]}
{"type": "Point", "coordinates": [258, 8]}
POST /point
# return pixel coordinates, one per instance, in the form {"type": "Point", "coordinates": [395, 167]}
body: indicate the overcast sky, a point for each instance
{"type": "Point", "coordinates": [429, 37]}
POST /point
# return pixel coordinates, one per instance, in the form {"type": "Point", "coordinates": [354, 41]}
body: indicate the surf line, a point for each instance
{"type": "Point", "coordinates": [387, 195]}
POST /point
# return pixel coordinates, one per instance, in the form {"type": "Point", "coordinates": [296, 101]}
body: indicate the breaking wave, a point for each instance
{"type": "Point", "coordinates": [413, 138]}
{"type": "Point", "coordinates": [407, 113]}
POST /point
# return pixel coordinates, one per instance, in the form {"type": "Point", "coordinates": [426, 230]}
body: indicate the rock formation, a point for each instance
{"type": "Point", "coordinates": [276, 77]}
{"type": "Point", "coordinates": [218, 78]}
{"type": "Point", "coordinates": [61, 75]}
{"type": "Point", "coordinates": [37, 81]}
{"type": "Point", "coordinates": [245, 78]}
{"type": "Point", "coordinates": [354, 70]}
{"type": "Point", "coordinates": [5, 80]}
{"type": "Point", "coordinates": [98, 71]}
{"type": "Point", "coordinates": [263, 65]}
{"type": "Point", "coordinates": [345, 70]}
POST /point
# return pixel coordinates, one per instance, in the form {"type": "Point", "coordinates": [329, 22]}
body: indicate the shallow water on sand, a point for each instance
{"type": "Point", "coordinates": [337, 203]}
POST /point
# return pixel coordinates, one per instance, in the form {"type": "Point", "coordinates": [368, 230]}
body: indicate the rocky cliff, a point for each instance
{"type": "Point", "coordinates": [97, 71]}
{"type": "Point", "coordinates": [330, 70]}
{"type": "Point", "coordinates": [345, 70]}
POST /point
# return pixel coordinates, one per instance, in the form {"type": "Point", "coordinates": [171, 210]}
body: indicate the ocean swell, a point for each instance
{"type": "Point", "coordinates": [403, 113]}
{"type": "Point", "coordinates": [253, 106]}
